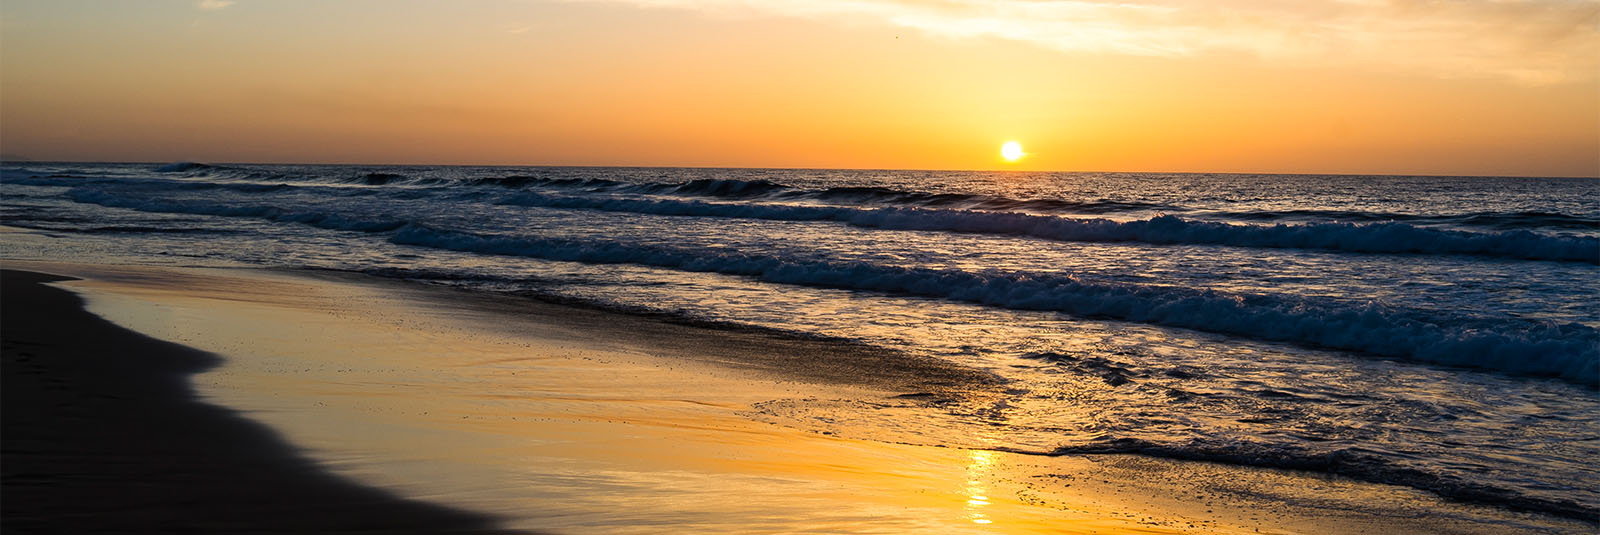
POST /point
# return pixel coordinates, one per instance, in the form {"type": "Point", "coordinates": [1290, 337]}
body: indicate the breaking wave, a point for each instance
{"type": "Point", "coordinates": [271, 213]}
{"type": "Point", "coordinates": [1569, 351]}
{"type": "Point", "coordinates": [1349, 462]}
{"type": "Point", "coordinates": [183, 167]}
{"type": "Point", "coordinates": [1166, 230]}
{"type": "Point", "coordinates": [881, 196]}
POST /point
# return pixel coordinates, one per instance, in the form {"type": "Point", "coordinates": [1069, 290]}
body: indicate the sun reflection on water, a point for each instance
{"type": "Point", "coordinates": [978, 493]}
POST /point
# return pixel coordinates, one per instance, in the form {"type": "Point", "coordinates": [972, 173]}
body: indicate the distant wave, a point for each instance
{"type": "Point", "coordinates": [872, 195]}
{"type": "Point", "coordinates": [267, 212]}
{"type": "Point", "coordinates": [729, 188]}
{"type": "Point", "coordinates": [159, 185]}
{"type": "Point", "coordinates": [875, 196]}
{"type": "Point", "coordinates": [1344, 237]}
{"type": "Point", "coordinates": [1505, 220]}
{"type": "Point", "coordinates": [53, 180]}
{"type": "Point", "coordinates": [365, 178]}
{"type": "Point", "coordinates": [705, 187]}
{"type": "Point", "coordinates": [119, 229]}
{"type": "Point", "coordinates": [521, 181]}
{"type": "Point", "coordinates": [714, 188]}
{"type": "Point", "coordinates": [1569, 351]}
{"type": "Point", "coordinates": [379, 179]}
{"type": "Point", "coordinates": [1380, 237]}
{"type": "Point", "coordinates": [204, 169]}
{"type": "Point", "coordinates": [183, 167]}
{"type": "Point", "coordinates": [878, 196]}
{"type": "Point", "coordinates": [1347, 462]}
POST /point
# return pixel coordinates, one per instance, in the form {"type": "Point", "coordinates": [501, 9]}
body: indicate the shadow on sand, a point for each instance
{"type": "Point", "coordinates": [101, 432]}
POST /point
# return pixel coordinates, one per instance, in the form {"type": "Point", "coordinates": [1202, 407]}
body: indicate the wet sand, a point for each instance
{"type": "Point", "coordinates": [102, 433]}
{"type": "Point", "coordinates": [545, 417]}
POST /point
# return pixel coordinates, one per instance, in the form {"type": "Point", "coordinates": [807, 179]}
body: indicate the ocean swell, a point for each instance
{"type": "Point", "coordinates": [1348, 462]}
{"type": "Point", "coordinates": [324, 220]}
{"type": "Point", "coordinates": [1569, 351]}
{"type": "Point", "coordinates": [1389, 238]}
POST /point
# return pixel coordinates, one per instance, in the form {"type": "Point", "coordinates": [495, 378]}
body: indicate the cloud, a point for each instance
{"type": "Point", "coordinates": [1529, 41]}
{"type": "Point", "coordinates": [213, 5]}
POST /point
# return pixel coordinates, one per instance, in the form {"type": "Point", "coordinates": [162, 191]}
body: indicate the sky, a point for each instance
{"type": "Point", "coordinates": [1440, 87]}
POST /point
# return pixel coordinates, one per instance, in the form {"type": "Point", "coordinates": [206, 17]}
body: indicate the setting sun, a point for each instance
{"type": "Point", "coordinates": [1011, 151]}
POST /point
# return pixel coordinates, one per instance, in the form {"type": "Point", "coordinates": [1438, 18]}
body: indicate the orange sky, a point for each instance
{"type": "Point", "coordinates": [1478, 87]}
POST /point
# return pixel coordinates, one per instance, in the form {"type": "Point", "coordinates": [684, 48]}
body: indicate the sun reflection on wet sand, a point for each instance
{"type": "Point", "coordinates": [977, 492]}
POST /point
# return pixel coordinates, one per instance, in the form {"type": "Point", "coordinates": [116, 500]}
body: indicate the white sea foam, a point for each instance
{"type": "Point", "coordinates": [1344, 237]}
{"type": "Point", "coordinates": [333, 221]}
{"type": "Point", "coordinates": [1569, 351]}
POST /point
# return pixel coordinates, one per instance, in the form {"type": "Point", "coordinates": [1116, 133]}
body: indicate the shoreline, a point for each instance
{"type": "Point", "coordinates": [102, 432]}
{"type": "Point", "coordinates": [608, 423]}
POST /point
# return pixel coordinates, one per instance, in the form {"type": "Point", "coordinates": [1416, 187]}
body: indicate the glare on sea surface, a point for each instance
{"type": "Point", "coordinates": [1011, 151]}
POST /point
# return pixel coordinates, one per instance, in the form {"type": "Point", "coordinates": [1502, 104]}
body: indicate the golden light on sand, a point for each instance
{"type": "Point", "coordinates": [978, 493]}
{"type": "Point", "coordinates": [1011, 151]}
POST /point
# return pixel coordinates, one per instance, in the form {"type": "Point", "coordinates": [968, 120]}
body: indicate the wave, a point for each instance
{"type": "Point", "coordinates": [728, 187]}
{"type": "Point", "coordinates": [52, 180]}
{"type": "Point", "coordinates": [875, 195]}
{"type": "Point", "coordinates": [1526, 220]}
{"type": "Point", "coordinates": [879, 196]}
{"type": "Point", "coordinates": [271, 213]}
{"type": "Point", "coordinates": [203, 169]}
{"type": "Point", "coordinates": [159, 185]}
{"type": "Point", "coordinates": [890, 197]}
{"type": "Point", "coordinates": [1505, 220]}
{"type": "Point", "coordinates": [1387, 238]}
{"type": "Point", "coordinates": [1369, 238]}
{"type": "Point", "coordinates": [121, 229]}
{"type": "Point", "coordinates": [1569, 351]}
{"type": "Point", "coordinates": [522, 181]}
{"type": "Point", "coordinates": [379, 179]}
{"type": "Point", "coordinates": [743, 189]}
{"type": "Point", "coordinates": [701, 187]}
{"type": "Point", "coordinates": [183, 167]}
{"type": "Point", "coordinates": [882, 194]}
{"type": "Point", "coordinates": [1348, 462]}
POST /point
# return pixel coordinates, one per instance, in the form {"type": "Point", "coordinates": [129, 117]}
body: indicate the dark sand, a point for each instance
{"type": "Point", "coordinates": [102, 433]}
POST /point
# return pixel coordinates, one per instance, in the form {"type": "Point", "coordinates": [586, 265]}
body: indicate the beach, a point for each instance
{"type": "Point", "coordinates": [330, 402]}
{"type": "Point", "coordinates": [103, 434]}
{"type": "Point", "coordinates": [979, 267]}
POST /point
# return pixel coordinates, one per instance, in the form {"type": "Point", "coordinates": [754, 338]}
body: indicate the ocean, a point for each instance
{"type": "Point", "coordinates": [1439, 333]}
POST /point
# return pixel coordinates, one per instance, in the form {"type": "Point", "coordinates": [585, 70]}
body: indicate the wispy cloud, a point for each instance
{"type": "Point", "coordinates": [213, 5]}
{"type": "Point", "coordinates": [1530, 41]}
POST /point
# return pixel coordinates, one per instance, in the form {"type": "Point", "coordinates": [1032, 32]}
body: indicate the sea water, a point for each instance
{"type": "Point", "coordinates": [1433, 332]}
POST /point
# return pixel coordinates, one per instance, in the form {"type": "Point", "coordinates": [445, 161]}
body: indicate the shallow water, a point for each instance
{"type": "Point", "coordinates": [1423, 331]}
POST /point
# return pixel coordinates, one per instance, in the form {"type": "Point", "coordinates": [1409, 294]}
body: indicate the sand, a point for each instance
{"type": "Point", "coordinates": [359, 404]}
{"type": "Point", "coordinates": [102, 433]}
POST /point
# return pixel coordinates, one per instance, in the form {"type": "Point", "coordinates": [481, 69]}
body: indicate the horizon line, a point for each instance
{"type": "Point", "coordinates": [17, 160]}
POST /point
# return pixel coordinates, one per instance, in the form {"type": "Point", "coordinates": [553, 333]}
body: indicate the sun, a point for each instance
{"type": "Point", "coordinates": [1011, 151]}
